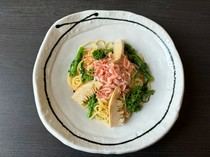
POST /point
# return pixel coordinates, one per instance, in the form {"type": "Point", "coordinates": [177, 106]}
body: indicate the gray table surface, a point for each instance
{"type": "Point", "coordinates": [23, 25]}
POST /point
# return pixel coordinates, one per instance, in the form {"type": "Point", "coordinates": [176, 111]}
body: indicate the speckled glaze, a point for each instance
{"type": "Point", "coordinates": [67, 121]}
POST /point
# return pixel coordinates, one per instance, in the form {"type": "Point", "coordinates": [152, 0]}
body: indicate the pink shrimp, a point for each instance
{"type": "Point", "coordinates": [112, 75]}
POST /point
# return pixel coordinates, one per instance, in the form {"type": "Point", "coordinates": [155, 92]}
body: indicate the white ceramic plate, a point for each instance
{"type": "Point", "coordinates": [67, 121]}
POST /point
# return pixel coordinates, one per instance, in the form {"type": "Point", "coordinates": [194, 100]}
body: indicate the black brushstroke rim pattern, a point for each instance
{"type": "Point", "coordinates": [88, 18]}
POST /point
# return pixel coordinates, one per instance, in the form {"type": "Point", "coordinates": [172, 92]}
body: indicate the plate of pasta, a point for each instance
{"type": "Point", "coordinates": [108, 82]}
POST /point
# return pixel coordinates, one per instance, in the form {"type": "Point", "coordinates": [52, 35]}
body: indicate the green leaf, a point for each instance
{"type": "Point", "coordinates": [98, 54]}
{"type": "Point", "coordinates": [91, 104]}
{"type": "Point", "coordinates": [73, 67]}
{"type": "Point", "coordinates": [137, 96]}
{"type": "Point", "coordinates": [130, 52]}
{"type": "Point", "coordinates": [91, 71]}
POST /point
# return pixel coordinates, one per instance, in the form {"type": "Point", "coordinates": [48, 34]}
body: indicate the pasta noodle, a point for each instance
{"type": "Point", "coordinates": [75, 82]}
{"type": "Point", "coordinates": [101, 111]}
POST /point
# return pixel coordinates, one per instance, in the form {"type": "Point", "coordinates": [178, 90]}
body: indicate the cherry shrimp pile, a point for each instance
{"type": "Point", "coordinates": [112, 75]}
